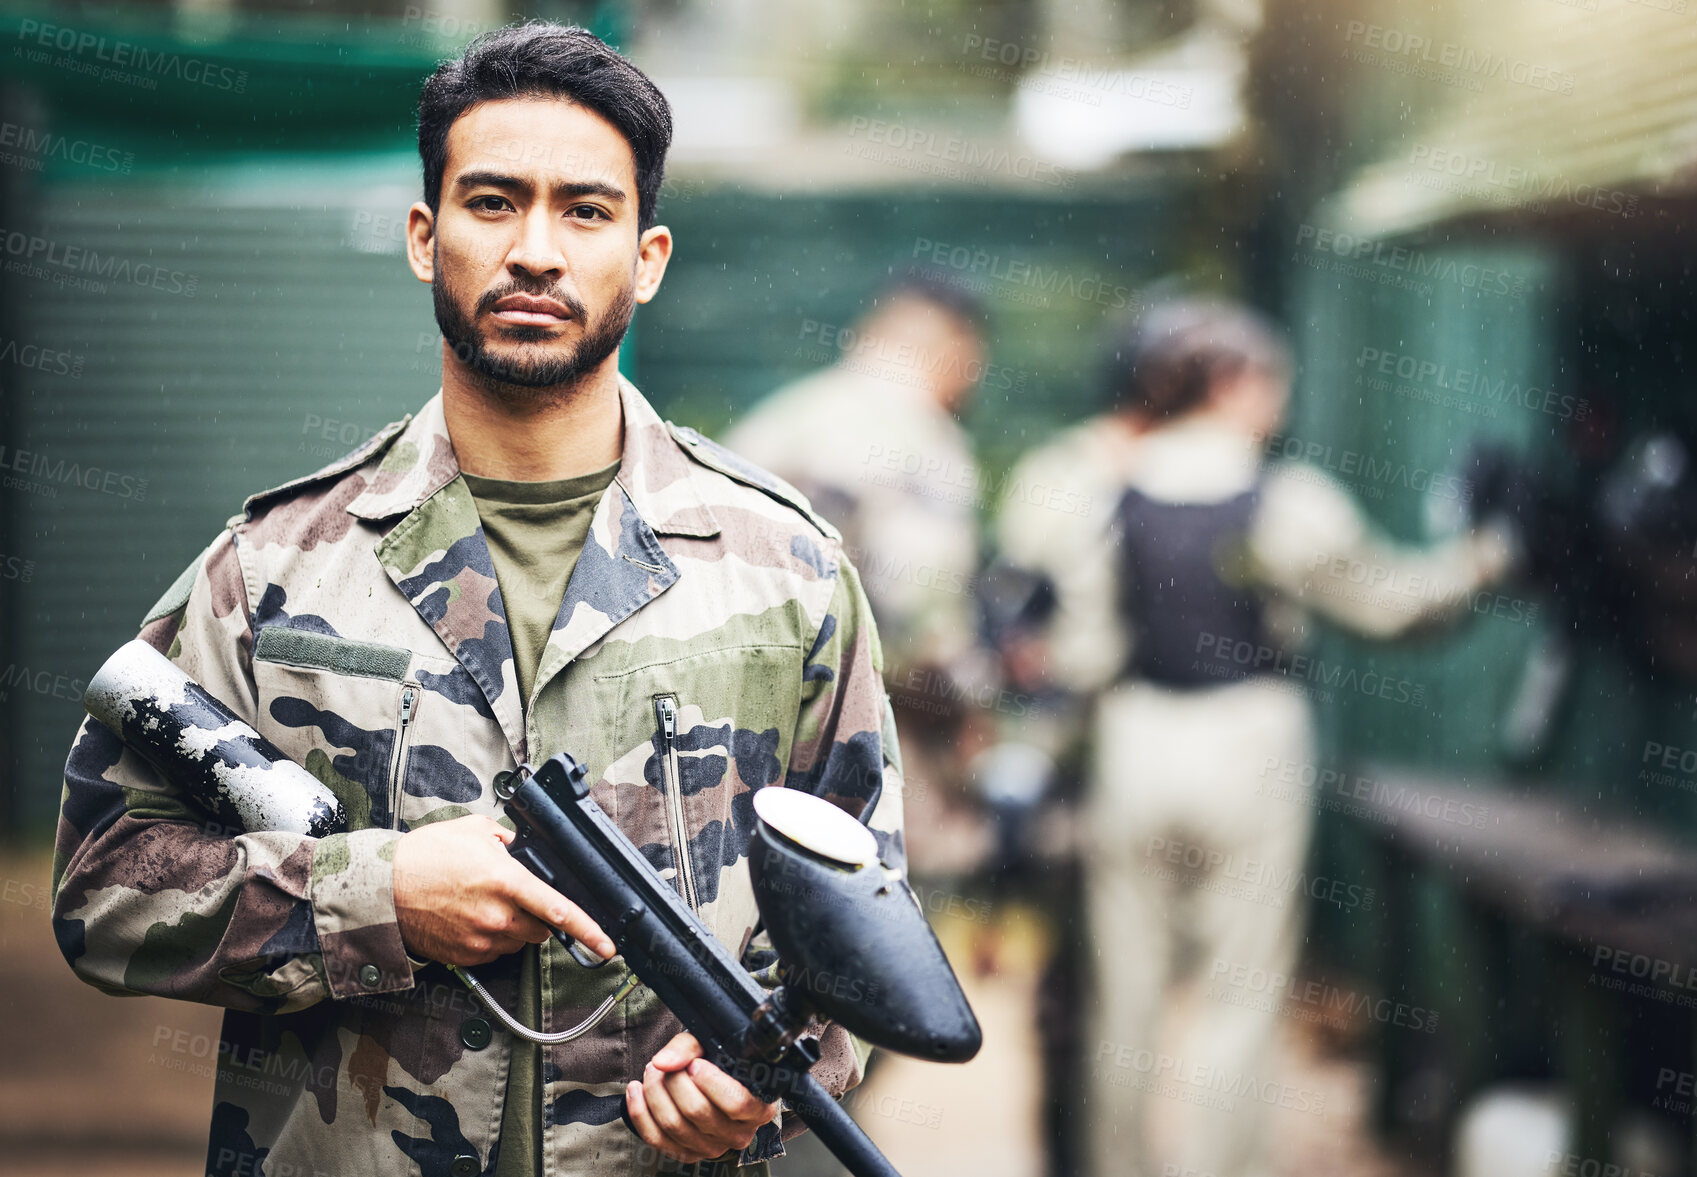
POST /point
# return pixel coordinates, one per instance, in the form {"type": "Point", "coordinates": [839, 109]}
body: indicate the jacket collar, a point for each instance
{"type": "Point", "coordinates": [438, 558]}
{"type": "Point", "coordinates": [655, 471]}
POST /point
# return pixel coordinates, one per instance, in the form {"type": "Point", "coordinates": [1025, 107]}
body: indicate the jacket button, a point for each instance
{"type": "Point", "coordinates": [465, 1165]}
{"type": "Point", "coordinates": [370, 976]}
{"type": "Point", "coordinates": [474, 1032]}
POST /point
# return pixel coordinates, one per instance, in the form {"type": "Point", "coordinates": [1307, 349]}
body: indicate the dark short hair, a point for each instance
{"type": "Point", "coordinates": [540, 59]}
{"type": "Point", "coordinates": [934, 289]}
{"type": "Point", "coordinates": [1166, 360]}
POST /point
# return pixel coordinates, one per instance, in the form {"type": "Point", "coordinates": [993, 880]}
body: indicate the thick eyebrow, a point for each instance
{"type": "Point", "coordinates": [565, 188]}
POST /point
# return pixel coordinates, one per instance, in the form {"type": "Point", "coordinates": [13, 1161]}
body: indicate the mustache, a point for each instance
{"type": "Point", "coordinates": [570, 301]}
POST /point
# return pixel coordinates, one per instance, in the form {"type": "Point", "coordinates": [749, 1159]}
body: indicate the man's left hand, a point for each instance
{"type": "Point", "coordinates": [691, 1110]}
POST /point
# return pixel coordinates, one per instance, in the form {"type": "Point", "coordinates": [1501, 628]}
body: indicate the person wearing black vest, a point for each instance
{"type": "Point", "coordinates": [1185, 621]}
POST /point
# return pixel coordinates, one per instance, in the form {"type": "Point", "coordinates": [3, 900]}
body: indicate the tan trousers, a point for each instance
{"type": "Point", "coordinates": [1194, 861]}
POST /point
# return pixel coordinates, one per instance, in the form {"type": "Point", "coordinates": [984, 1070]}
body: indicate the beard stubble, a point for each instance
{"type": "Point", "coordinates": [521, 379]}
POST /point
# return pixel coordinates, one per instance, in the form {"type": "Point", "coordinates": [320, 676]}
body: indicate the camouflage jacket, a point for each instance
{"type": "Point", "coordinates": [354, 618]}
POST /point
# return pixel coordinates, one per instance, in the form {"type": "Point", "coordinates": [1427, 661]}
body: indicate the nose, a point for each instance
{"type": "Point", "coordinates": [537, 249]}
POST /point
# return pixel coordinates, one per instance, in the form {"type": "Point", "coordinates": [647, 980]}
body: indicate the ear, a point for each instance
{"type": "Point", "coordinates": [421, 241]}
{"type": "Point", "coordinates": [653, 251]}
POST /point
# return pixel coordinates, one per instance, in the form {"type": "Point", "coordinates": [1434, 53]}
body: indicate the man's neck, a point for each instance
{"type": "Point", "coordinates": [540, 440]}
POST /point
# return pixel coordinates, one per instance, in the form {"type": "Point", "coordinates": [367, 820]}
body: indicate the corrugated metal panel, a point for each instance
{"type": "Point", "coordinates": [1529, 103]}
{"type": "Point", "coordinates": [292, 347]}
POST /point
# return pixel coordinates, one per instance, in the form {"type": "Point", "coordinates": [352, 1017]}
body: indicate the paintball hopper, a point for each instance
{"type": "Point", "coordinates": [226, 767]}
{"type": "Point", "coordinates": [854, 942]}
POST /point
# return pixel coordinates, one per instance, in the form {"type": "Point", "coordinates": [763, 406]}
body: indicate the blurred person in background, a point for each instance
{"type": "Point", "coordinates": [1183, 623]}
{"type": "Point", "coordinates": [875, 443]}
{"type": "Point", "coordinates": [1054, 506]}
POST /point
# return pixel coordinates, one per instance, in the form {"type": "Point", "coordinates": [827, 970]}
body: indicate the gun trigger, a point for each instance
{"type": "Point", "coordinates": [583, 956]}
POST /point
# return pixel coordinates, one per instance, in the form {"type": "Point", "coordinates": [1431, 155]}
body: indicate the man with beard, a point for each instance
{"type": "Point", "coordinates": [534, 563]}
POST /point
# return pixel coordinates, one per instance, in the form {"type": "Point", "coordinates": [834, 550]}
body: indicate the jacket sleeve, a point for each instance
{"type": "Point", "coordinates": [845, 742]}
{"type": "Point", "coordinates": [1313, 544]}
{"type": "Point", "coordinates": [845, 751]}
{"type": "Point", "coordinates": [150, 897]}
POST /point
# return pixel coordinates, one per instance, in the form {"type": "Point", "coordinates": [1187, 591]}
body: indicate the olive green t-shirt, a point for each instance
{"type": "Point", "coordinates": [535, 532]}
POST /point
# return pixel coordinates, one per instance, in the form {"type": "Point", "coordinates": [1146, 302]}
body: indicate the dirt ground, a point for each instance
{"type": "Point", "coordinates": [983, 1118]}
{"type": "Point", "coordinates": [94, 1083]}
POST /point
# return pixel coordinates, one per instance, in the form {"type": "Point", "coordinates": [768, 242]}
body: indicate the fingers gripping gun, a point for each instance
{"type": "Point", "coordinates": [852, 941]}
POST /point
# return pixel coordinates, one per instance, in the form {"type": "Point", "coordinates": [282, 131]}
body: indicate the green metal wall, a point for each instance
{"type": "Point", "coordinates": [1469, 675]}
{"type": "Point", "coordinates": [1545, 338]}
{"type": "Point", "coordinates": [1416, 447]}
{"type": "Point", "coordinates": [305, 332]}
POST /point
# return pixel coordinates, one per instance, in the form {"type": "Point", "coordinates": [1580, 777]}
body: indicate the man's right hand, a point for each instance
{"type": "Point", "coordinates": [461, 899]}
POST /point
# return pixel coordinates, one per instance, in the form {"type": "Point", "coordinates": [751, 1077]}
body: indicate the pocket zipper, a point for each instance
{"type": "Point", "coordinates": [397, 767]}
{"type": "Point", "coordinates": [666, 709]}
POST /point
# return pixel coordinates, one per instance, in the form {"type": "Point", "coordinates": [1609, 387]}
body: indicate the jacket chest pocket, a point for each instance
{"type": "Point", "coordinates": [695, 737]}
{"type": "Point", "coordinates": [386, 729]}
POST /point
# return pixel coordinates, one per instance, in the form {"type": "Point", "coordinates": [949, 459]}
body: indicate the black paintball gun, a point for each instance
{"type": "Point", "coordinates": [851, 938]}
